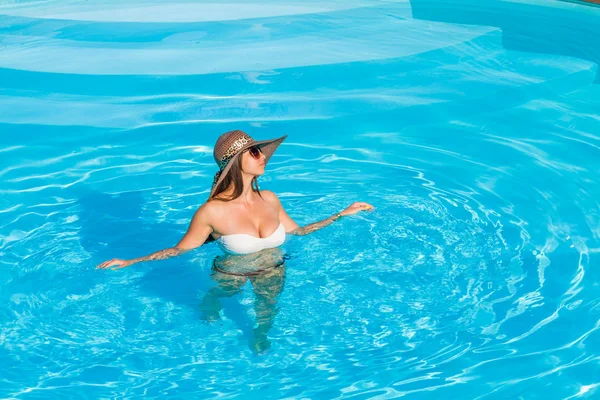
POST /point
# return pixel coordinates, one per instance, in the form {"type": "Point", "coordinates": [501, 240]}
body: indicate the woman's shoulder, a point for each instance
{"type": "Point", "coordinates": [267, 193]}
{"type": "Point", "coordinates": [270, 197]}
{"type": "Point", "coordinates": [212, 206]}
{"type": "Point", "coordinates": [208, 211]}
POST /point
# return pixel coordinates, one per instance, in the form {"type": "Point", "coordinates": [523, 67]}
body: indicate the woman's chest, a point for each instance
{"type": "Point", "coordinates": [259, 220]}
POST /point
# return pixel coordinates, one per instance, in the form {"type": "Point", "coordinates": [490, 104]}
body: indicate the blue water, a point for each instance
{"type": "Point", "coordinates": [473, 127]}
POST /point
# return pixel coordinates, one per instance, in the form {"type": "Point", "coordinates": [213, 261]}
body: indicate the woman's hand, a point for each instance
{"type": "Point", "coordinates": [115, 263]}
{"type": "Point", "coordinates": [356, 207]}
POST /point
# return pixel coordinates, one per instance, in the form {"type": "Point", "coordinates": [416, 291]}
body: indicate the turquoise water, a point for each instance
{"type": "Point", "coordinates": [473, 127]}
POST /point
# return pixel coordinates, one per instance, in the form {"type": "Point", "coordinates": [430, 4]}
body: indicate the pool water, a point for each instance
{"type": "Point", "coordinates": [473, 127]}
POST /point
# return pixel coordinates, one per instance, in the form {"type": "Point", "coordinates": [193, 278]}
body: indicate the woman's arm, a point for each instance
{"type": "Point", "coordinates": [195, 236]}
{"type": "Point", "coordinates": [293, 228]}
{"type": "Point", "coordinates": [310, 228]}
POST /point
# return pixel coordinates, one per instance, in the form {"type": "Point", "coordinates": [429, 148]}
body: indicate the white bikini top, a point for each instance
{"type": "Point", "coordinates": [242, 243]}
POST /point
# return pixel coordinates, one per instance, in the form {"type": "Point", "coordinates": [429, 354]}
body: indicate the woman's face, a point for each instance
{"type": "Point", "coordinates": [253, 161]}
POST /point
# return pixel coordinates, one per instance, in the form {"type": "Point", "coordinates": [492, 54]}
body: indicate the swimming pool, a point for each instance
{"type": "Point", "coordinates": [473, 128]}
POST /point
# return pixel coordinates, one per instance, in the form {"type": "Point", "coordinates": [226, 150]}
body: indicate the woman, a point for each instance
{"type": "Point", "coordinates": [248, 224]}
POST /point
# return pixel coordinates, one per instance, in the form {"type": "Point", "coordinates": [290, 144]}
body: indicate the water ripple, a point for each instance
{"type": "Point", "coordinates": [473, 133]}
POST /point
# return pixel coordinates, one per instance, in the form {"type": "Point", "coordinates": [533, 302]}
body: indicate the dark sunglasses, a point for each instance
{"type": "Point", "coordinates": [255, 152]}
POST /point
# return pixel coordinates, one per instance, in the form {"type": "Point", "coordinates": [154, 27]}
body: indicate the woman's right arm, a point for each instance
{"type": "Point", "coordinates": [195, 236]}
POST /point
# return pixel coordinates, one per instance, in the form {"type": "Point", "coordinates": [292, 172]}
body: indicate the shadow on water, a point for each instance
{"type": "Point", "coordinates": [532, 28]}
{"type": "Point", "coordinates": [113, 226]}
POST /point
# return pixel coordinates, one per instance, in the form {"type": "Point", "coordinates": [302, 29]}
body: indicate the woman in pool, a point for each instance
{"type": "Point", "coordinates": [248, 224]}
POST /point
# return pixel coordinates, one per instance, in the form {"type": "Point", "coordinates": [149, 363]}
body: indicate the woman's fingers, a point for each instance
{"type": "Point", "coordinates": [109, 263]}
{"type": "Point", "coordinates": [120, 265]}
{"type": "Point", "coordinates": [358, 206]}
{"type": "Point", "coordinates": [362, 204]}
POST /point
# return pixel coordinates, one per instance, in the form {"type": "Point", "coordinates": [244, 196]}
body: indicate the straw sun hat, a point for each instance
{"type": "Point", "coordinates": [230, 146]}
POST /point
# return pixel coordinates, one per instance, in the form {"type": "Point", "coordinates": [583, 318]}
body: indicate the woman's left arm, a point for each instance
{"type": "Point", "coordinates": [293, 228]}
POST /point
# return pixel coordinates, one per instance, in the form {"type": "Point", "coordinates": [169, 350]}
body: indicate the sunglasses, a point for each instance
{"type": "Point", "coordinates": [255, 152]}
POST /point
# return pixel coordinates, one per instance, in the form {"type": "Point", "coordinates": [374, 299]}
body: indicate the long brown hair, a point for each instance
{"type": "Point", "coordinates": [234, 177]}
